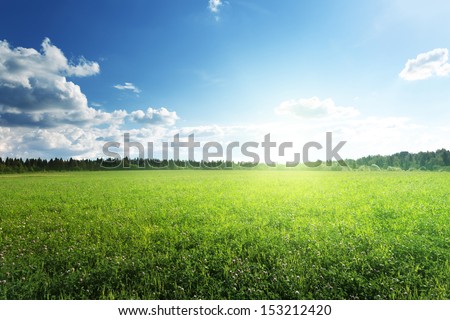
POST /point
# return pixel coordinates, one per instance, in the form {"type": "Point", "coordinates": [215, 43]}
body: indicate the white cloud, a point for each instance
{"type": "Point", "coordinates": [48, 143]}
{"type": "Point", "coordinates": [152, 116]}
{"type": "Point", "coordinates": [127, 86]}
{"type": "Point", "coordinates": [34, 92]}
{"type": "Point", "coordinates": [315, 108]}
{"type": "Point", "coordinates": [24, 66]}
{"type": "Point", "coordinates": [84, 68]}
{"type": "Point", "coordinates": [426, 65]}
{"type": "Point", "coordinates": [214, 5]}
{"type": "Point", "coordinates": [42, 114]}
{"type": "Point", "coordinates": [364, 136]}
{"type": "Point", "coordinates": [7, 140]}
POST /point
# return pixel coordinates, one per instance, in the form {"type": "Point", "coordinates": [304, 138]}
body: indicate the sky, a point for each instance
{"type": "Point", "coordinates": [75, 75]}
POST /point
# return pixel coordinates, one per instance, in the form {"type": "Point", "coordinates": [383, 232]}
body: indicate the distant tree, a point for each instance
{"type": "Point", "coordinates": [437, 161]}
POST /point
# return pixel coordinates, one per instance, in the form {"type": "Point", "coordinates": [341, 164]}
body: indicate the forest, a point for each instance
{"type": "Point", "coordinates": [430, 161]}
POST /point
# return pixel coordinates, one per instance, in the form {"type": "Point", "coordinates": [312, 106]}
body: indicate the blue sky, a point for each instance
{"type": "Point", "coordinates": [375, 73]}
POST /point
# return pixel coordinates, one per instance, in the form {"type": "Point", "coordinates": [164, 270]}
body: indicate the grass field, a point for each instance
{"type": "Point", "coordinates": [225, 235]}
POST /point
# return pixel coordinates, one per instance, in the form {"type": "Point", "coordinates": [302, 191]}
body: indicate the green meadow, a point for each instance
{"type": "Point", "coordinates": [225, 235]}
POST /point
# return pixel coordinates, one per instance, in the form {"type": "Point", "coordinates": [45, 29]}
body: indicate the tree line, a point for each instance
{"type": "Point", "coordinates": [429, 160]}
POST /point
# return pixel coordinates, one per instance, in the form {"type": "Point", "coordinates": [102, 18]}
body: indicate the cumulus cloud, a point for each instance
{"type": "Point", "coordinates": [24, 66]}
{"type": "Point", "coordinates": [315, 108]}
{"type": "Point", "coordinates": [364, 136]}
{"type": "Point", "coordinates": [35, 92]}
{"type": "Point", "coordinates": [426, 65]}
{"type": "Point", "coordinates": [214, 5]}
{"type": "Point", "coordinates": [152, 116]}
{"type": "Point", "coordinates": [52, 142]}
{"type": "Point", "coordinates": [127, 86]}
{"type": "Point", "coordinates": [6, 140]}
{"type": "Point", "coordinates": [43, 114]}
{"type": "Point", "coordinates": [84, 68]}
